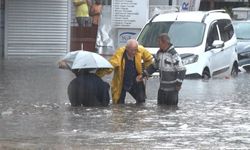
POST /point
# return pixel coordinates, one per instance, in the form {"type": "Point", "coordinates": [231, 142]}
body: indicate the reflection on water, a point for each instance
{"type": "Point", "coordinates": [35, 114]}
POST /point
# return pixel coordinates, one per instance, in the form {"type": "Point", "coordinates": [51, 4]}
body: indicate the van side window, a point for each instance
{"type": "Point", "coordinates": [212, 35]}
{"type": "Point", "coordinates": [226, 29]}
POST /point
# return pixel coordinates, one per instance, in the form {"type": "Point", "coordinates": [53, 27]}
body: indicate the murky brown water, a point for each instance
{"type": "Point", "coordinates": [35, 114]}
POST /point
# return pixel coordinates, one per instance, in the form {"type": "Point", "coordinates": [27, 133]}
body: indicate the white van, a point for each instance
{"type": "Point", "coordinates": [205, 40]}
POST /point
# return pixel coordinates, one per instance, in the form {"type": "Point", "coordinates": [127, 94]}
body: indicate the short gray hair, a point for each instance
{"type": "Point", "coordinates": [164, 37]}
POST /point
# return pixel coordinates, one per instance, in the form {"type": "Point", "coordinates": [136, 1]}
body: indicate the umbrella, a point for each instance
{"type": "Point", "coordinates": [84, 59]}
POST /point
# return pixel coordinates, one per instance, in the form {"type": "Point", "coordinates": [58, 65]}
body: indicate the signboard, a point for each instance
{"type": "Point", "coordinates": [125, 34]}
{"type": "Point", "coordinates": [129, 13]}
{"type": "Point", "coordinates": [187, 5]}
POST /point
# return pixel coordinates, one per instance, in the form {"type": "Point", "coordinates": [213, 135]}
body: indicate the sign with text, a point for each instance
{"type": "Point", "coordinates": [129, 13]}
{"type": "Point", "coordinates": [187, 5]}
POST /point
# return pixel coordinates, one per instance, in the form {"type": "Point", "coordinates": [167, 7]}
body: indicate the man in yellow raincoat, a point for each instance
{"type": "Point", "coordinates": [127, 66]}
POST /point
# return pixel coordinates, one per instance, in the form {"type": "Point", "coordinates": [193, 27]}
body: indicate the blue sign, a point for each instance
{"type": "Point", "coordinates": [125, 36]}
{"type": "Point", "coordinates": [184, 6]}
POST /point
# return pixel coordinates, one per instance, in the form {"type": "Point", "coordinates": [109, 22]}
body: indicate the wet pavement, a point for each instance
{"type": "Point", "coordinates": [35, 113]}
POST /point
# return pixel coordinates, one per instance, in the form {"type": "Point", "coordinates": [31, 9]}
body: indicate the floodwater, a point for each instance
{"type": "Point", "coordinates": [35, 113]}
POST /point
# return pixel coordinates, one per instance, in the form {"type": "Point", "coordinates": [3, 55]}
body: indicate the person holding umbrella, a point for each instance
{"type": "Point", "coordinates": [87, 88]}
{"type": "Point", "coordinates": [127, 67]}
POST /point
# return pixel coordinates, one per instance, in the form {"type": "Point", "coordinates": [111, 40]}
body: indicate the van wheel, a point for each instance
{"type": "Point", "coordinates": [234, 72]}
{"type": "Point", "coordinates": [205, 75]}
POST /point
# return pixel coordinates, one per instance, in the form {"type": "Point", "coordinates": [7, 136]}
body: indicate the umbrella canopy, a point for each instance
{"type": "Point", "coordinates": [84, 59]}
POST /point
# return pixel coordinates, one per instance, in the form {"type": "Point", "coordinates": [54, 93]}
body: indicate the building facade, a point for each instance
{"type": "Point", "coordinates": [42, 27]}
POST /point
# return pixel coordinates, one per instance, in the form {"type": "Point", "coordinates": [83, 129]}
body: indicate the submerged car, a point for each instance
{"type": "Point", "coordinates": [205, 40]}
{"type": "Point", "coordinates": [242, 30]}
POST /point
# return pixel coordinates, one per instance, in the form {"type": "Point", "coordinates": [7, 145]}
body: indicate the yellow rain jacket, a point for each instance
{"type": "Point", "coordinates": [118, 62]}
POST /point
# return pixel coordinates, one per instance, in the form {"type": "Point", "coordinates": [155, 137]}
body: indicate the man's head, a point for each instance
{"type": "Point", "coordinates": [131, 47]}
{"type": "Point", "coordinates": [164, 41]}
{"type": "Point", "coordinates": [98, 1]}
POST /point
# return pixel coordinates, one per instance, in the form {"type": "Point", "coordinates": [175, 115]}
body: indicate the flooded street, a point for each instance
{"type": "Point", "coordinates": [35, 113]}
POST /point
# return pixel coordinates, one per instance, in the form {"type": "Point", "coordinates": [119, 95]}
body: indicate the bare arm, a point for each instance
{"type": "Point", "coordinates": [95, 11]}
{"type": "Point", "coordinates": [62, 64]}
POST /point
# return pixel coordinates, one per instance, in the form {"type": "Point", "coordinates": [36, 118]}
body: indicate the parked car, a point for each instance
{"type": "Point", "coordinates": [242, 30]}
{"type": "Point", "coordinates": [205, 40]}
